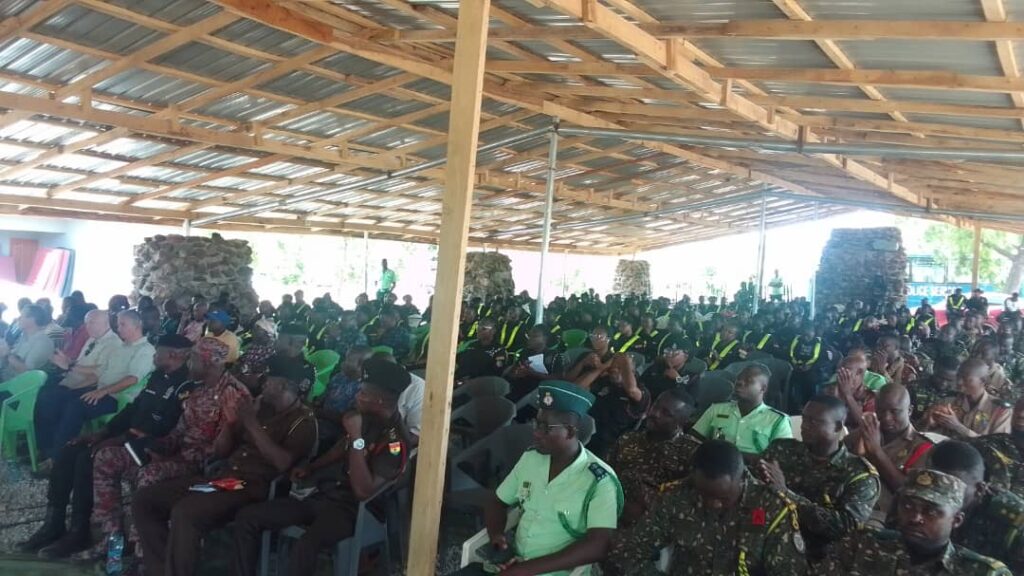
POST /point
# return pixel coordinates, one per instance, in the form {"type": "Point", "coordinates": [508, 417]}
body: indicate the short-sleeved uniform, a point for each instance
{"type": "Point", "coordinates": [867, 553]}
{"type": "Point", "coordinates": [833, 496]}
{"type": "Point", "coordinates": [553, 512]}
{"type": "Point", "coordinates": [989, 416]}
{"type": "Point", "coordinates": [760, 535]}
{"type": "Point", "coordinates": [752, 433]}
{"type": "Point", "coordinates": [993, 527]}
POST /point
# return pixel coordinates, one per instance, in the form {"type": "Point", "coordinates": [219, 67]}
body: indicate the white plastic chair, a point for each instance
{"type": "Point", "coordinates": [471, 546]}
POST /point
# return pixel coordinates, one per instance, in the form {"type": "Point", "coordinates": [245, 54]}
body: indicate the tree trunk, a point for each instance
{"type": "Point", "coordinates": [1016, 270]}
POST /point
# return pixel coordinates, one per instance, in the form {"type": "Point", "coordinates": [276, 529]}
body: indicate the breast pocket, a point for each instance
{"type": "Point", "coordinates": [761, 440]}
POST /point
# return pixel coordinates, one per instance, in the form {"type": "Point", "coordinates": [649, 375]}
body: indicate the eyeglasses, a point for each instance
{"type": "Point", "coordinates": [545, 428]}
{"type": "Point", "coordinates": [599, 336]}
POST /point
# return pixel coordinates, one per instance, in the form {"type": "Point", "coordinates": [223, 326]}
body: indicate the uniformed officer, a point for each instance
{"type": "Point", "coordinates": [890, 442]}
{"type": "Point", "coordinates": [834, 490]}
{"type": "Point", "coordinates": [956, 303]}
{"type": "Point", "coordinates": [973, 412]}
{"type": "Point", "coordinates": [667, 372]}
{"type": "Point", "coordinates": [1012, 362]}
{"type": "Point", "coordinates": [626, 338]}
{"type": "Point", "coordinates": [721, 521]}
{"type": "Point", "coordinates": [267, 439]}
{"type": "Point", "coordinates": [570, 499]}
{"type": "Point", "coordinates": [993, 518]}
{"type": "Point", "coordinates": [747, 421]}
{"type": "Point", "coordinates": [372, 452]}
{"type": "Point", "coordinates": [153, 414]}
{"type": "Point", "coordinates": [648, 460]}
{"type": "Point", "coordinates": [1002, 454]}
{"type": "Point", "coordinates": [725, 348]}
{"type": "Point", "coordinates": [812, 362]}
{"type": "Point", "coordinates": [927, 512]}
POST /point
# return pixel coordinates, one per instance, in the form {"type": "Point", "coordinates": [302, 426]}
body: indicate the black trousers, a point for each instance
{"type": "Point", "coordinates": [174, 550]}
{"type": "Point", "coordinates": [72, 475]}
{"type": "Point", "coordinates": [325, 520]}
{"type": "Point", "coordinates": [471, 570]}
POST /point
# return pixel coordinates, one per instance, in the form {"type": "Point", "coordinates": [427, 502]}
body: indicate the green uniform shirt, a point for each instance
{"type": "Point", "coordinates": [541, 531]}
{"type": "Point", "coordinates": [388, 279]}
{"type": "Point", "coordinates": [752, 433]}
{"type": "Point", "coordinates": [865, 553]}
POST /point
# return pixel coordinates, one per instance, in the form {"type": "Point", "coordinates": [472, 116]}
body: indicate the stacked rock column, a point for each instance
{"type": "Point", "coordinates": [869, 265]}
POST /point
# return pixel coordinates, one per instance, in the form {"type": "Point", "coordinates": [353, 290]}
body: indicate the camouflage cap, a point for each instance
{"type": "Point", "coordinates": [935, 487]}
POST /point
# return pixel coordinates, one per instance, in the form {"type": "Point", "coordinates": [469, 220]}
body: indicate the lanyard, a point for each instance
{"type": "Point", "coordinates": [814, 356]}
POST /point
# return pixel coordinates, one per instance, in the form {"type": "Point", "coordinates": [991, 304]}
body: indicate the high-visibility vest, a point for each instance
{"type": "Point", "coordinates": [715, 358]}
{"type": "Point", "coordinates": [763, 341]}
{"type": "Point", "coordinates": [511, 336]}
{"type": "Point", "coordinates": [629, 343]}
{"type": "Point", "coordinates": [804, 363]}
{"type": "Point", "coordinates": [953, 304]}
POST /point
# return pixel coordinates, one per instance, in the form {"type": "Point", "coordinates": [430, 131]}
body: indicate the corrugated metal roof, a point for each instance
{"type": "Point", "coordinates": [35, 60]}
{"type": "Point", "coordinates": [179, 12]}
{"type": "Point", "coordinates": [967, 10]}
{"type": "Point", "coordinates": [11, 8]}
{"type": "Point", "coordinates": [244, 108]}
{"type": "Point", "coordinates": [350, 64]}
{"type": "Point", "coordinates": [205, 60]}
{"type": "Point", "coordinates": [998, 123]}
{"type": "Point", "coordinates": [325, 124]}
{"type": "Point", "coordinates": [305, 86]}
{"type": "Point", "coordinates": [385, 106]}
{"type": "Point", "coordinates": [90, 28]}
{"type": "Point", "coordinates": [709, 11]}
{"type": "Point", "coordinates": [758, 53]}
{"type": "Point", "coordinates": [954, 56]}
{"type": "Point", "coordinates": [264, 38]}
{"type": "Point", "coordinates": [945, 96]}
{"type": "Point", "coordinates": [150, 87]}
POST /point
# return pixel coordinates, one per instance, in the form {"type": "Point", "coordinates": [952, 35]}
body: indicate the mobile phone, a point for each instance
{"type": "Point", "coordinates": [202, 488]}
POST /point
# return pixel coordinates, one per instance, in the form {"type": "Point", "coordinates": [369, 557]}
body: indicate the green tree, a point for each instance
{"type": "Point", "coordinates": [1001, 258]}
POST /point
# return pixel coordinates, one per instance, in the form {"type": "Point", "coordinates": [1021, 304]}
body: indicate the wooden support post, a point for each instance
{"type": "Point", "coordinates": [463, 131]}
{"type": "Point", "coordinates": [976, 262]}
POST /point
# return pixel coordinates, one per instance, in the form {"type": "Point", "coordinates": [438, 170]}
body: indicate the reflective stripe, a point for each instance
{"type": "Point", "coordinates": [716, 357]}
{"type": "Point", "coordinates": [629, 343]}
{"type": "Point", "coordinates": [764, 341]}
{"type": "Point", "coordinates": [814, 357]}
{"type": "Point", "coordinates": [512, 337]}
{"type": "Point", "coordinates": [778, 520]}
{"type": "Point", "coordinates": [856, 327]}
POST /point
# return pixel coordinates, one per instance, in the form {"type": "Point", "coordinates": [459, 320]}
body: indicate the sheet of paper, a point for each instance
{"type": "Point", "coordinates": [537, 364]}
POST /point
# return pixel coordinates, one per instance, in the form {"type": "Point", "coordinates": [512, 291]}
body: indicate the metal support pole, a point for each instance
{"type": "Point", "coordinates": [761, 249]}
{"type": "Point", "coordinates": [549, 202]}
{"type": "Point", "coordinates": [976, 261]}
{"type": "Point", "coordinates": [366, 263]}
{"type": "Point", "coordinates": [186, 228]}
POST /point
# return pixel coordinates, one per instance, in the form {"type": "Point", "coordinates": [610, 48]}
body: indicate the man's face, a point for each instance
{"type": "Point", "coordinates": [718, 494]}
{"type": "Point", "coordinates": [947, 334]}
{"type": "Point", "coordinates": [923, 525]}
{"type": "Point", "coordinates": [551, 433]}
{"type": "Point", "coordinates": [217, 327]}
{"type": "Point", "coordinates": [728, 333]}
{"type": "Point", "coordinates": [127, 329]}
{"type": "Point", "coordinates": [888, 348]}
{"type": "Point", "coordinates": [648, 325]}
{"type": "Point", "coordinates": [970, 382]}
{"type": "Point", "coordinates": [199, 311]}
{"type": "Point", "coordinates": [388, 321]}
{"type": "Point", "coordinates": [273, 389]}
{"type": "Point", "coordinates": [675, 357]}
{"type": "Point", "coordinates": [661, 418]}
{"type": "Point", "coordinates": [352, 365]}
{"type": "Point", "coordinates": [818, 424]}
{"type": "Point", "coordinates": [163, 357]}
{"type": "Point", "coordinates": [537, 341]}
{"type": "Point", "coordinates": [893, 413]}
{"type": "Point", "coordinates": [291, 344]}
{"type": "Point", "coordinates": [750, 386]}
{"type": "Point", "coordinates": [369, 398]}
{"type": "Point", "coordinates": [97, 324]}
{"type": "Point", "coordinates": [485, 333]}
{"type": "Point", "coordinates": [945, 379]}
{"type": "Point", "coordinates": [598, 338]}
{"type": "Point", "coordinates": [625, 327]}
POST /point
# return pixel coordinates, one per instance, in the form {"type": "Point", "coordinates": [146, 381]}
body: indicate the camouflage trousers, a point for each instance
{"type": "Point", "coordinates": [111, 466]}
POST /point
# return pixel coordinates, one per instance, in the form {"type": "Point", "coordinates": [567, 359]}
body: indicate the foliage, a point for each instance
{"type": "Point", "coordinates": [955, 247]}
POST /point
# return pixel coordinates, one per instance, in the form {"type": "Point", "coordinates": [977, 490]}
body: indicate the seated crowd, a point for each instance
{"type": "Point", "coordinates": [865, 439]}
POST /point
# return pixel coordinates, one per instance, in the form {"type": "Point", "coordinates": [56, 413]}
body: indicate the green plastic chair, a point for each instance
{"type": "Point", "coordinates": [17, 414]}
{"type": "Point", "coordinates": [574, 338]}
{"type": "Point", "coordinates": [124, 398]}
{"type": "Point", "coordinates": [384, 349]}
{"type": "Point", "coordinates": [324, 361]}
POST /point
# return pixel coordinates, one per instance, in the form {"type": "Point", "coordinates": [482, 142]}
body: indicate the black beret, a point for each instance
{"type": "Point", "coordinates": [175, 341]}
{"type": "Point", "coordinates": [386, 375]}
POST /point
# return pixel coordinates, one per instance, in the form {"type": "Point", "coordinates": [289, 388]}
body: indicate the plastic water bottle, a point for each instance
{"type": "Point", "coordinates": [115, 550]}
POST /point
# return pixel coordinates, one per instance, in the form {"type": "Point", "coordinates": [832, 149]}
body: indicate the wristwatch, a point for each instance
{"type": "Point", "coordinates": [358, 444]}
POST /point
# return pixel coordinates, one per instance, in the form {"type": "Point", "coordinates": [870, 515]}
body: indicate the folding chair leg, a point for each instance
{"type": "Point", "coordinates": [265, 553]}
{"type": "Point", "coordinates": [33, 454]}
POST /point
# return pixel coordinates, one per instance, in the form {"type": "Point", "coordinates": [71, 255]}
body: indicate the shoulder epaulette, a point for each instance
{"type": "Point", "coordinates": [778, 412]}
{"type": "Point", "coordinates": [975, 557]}
{"type": "Point", "coordinates": [597, 470]}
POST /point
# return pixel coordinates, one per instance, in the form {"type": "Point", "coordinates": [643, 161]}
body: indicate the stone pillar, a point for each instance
{"type": "Point", "coordinates": [178, 267]}
{"type": "Point", "coordinates": [488, 275]}
{"type": "Point", "coordinates": [868, 264]}
{"type": "Point", "coordinates": [633, 277]}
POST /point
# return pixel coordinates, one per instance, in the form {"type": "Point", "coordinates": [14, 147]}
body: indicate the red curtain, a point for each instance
{"type": "Point", "coordinates": [50, 270]}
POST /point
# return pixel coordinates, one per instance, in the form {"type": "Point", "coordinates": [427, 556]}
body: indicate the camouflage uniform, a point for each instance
{"type": "Point", "coordinates": [924, 394]}
{"type": "Point", "coordinates": [203, 412]}
{"type": "Point", "coordinates": [645, 466]}
{"type": "Point", "coordinates": [834, 496]}
{"type": "Point", "coordinates": [993, 527]}
{"type": "Point", "coordinates": [1013, 366]}
{"type": "Point", "coordinates": [1002, 459]}
{"type": "Point", "coordinates": [866, 553]}
{"type": "Point", "coordinates": [759, 536]}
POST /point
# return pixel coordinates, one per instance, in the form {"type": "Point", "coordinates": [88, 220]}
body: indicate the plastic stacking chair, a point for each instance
{"type": "Point", "coordinates": [476, 471]}
{"type": "Point", "coordinates": [369, 531]}
{"type": "Point", "coordinates": [324, 361]}
{"type": "Point", "coordinates": [713, 387]}
{"type": "Point", "coordinates": [472, 547]}
{"type": "Point", "coordinates": [384, 350]}
{"type": "Point", "coordinates": [573, 355]}
{"type": "Point", "coordinates": [574, 338]}
{"type": "Point", "coordinates": [17, 413]}
{"type": "Point", "coordinates": [124, 398]}
{"type": "Point", "coordinates": [481, 416]}
{"type": "Point", "coordinates": [479, 387]}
